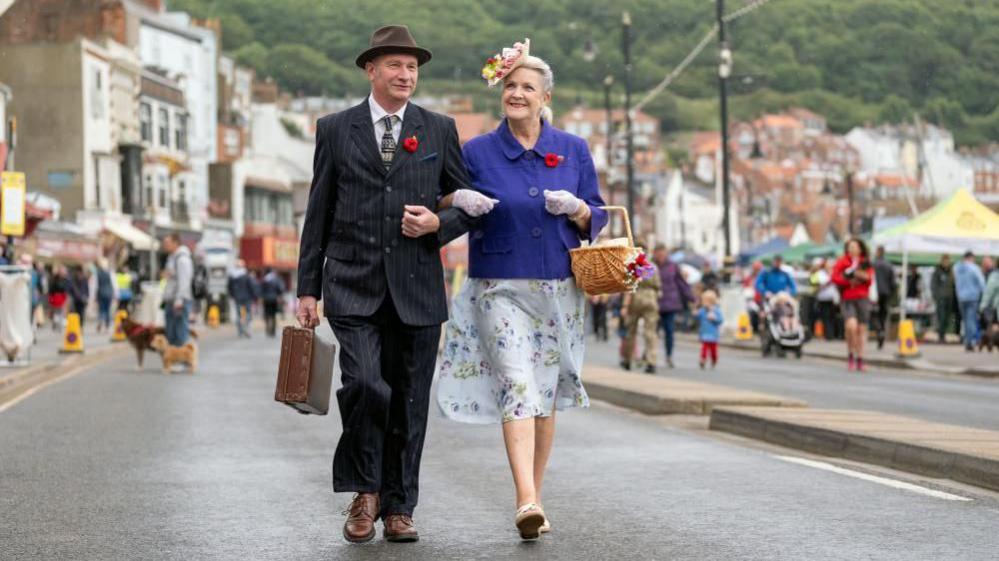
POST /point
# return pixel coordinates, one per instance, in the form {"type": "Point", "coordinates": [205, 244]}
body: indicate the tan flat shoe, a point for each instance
{"type": "Point", "coordinates": [529, 520]}
{"type": "Point", "coordinates": [547, 526]}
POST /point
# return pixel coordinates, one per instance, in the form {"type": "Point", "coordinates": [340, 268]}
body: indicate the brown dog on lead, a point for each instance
{"type": "Point", "coordinates": [141, 336]}
{"type": "Point", "coordinates": [184, 354]}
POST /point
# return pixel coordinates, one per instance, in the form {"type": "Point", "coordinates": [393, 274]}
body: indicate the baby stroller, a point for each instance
{"type": "Point", "coordinates": [781, 331]}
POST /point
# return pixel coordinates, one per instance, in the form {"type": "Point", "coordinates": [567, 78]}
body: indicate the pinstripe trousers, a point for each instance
{"type": "Point", "coordinates": [387, 369]}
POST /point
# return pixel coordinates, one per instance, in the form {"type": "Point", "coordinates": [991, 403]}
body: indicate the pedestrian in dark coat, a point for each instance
{"type": "Point", "coordinates": [79, 292]}
{"type": "Point", "coordinates": [675, 296]}
{"type": "Point", "coordinates": [371, 249]}
{"type": "Point", "coordinates": [887, 286]}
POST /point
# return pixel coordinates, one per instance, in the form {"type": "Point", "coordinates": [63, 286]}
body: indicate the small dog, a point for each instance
{"type": "Point", "coordinates": [184, 354]}
{"type": "Point", "coordinates": [141, 336]}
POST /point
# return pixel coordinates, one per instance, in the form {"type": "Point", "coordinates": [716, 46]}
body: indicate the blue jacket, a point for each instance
{"type": "Point", "coordinates": [968, 282]}
{"type": "Point", "coordinates": [242, 287]}
{"type": "Point", "coordinates": [775, 280]}
{"type": "Point", "coordinates": [519, 239]}
{"type": "Point", "coordinates": [709, 330]}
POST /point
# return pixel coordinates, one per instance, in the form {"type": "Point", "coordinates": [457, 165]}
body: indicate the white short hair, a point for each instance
{"type": "Point", "coordinates": [547, 80]}
{"type": "Point", "coordinates": [542, 67]}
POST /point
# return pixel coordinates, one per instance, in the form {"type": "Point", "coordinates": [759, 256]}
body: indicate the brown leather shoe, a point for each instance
{"type": "Point", "coordinates": [361, 516]}
{"type": "Point", "coordinates": [400, 528]}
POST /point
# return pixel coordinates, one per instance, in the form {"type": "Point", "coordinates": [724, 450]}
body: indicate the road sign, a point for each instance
{"type": "Point", "coordinates": [12, 191]}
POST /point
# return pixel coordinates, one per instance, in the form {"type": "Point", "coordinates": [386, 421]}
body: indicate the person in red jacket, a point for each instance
{"type": "Point", "coordinates": [852, 274]}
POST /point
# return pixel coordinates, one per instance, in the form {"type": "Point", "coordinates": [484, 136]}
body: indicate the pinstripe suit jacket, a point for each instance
{"type": "Point", "coordinates": [352, 248]}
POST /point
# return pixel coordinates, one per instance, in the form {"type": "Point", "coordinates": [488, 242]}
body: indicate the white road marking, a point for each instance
{"type": "Point", "coordinates": [28, 393]}
{"type": "Point", "coordinates": [874, 479]}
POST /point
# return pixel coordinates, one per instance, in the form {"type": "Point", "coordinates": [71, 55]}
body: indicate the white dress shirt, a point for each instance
{"type": "Point", "coordinates": [378, 113]}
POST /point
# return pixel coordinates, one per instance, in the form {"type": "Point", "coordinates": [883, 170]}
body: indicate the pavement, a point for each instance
{"type": "Point", "coordinates": [658, 395]}
{"type": "Point", "coordinates": [947, 358]}
{"type": "Point", "coordinates": [47, 364]}
{"type": "Point", "coordinates": [826, 384]}
{"type": "Point", "coordinates": [934, 449]}
{"type": "Point", "coordinates": [117, 464]}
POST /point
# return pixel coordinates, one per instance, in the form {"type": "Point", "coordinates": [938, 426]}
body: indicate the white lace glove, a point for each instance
{"type": "Point", "coordinates": [561, 202]}
{"type": "Point", "coordinates": [473, 202]}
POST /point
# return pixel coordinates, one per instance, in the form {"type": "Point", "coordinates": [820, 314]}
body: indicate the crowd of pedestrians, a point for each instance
{"type": "Point", "coordinates": [97, 289]}
{"type": "Point", "coordinates": [853, 297]}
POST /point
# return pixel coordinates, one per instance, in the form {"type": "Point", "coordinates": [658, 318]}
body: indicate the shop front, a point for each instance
{"type": "Point", "coordinates": [278, 252]}
{"type": "Point", "coordinates": [64, 243]}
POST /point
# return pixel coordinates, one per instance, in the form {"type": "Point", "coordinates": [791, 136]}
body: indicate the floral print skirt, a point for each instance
{"type": "Point", "coordinates": [513, 349]}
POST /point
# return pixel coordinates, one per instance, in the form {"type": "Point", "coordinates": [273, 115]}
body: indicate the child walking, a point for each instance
{"type": "Point", "coordinates": [710, 319]}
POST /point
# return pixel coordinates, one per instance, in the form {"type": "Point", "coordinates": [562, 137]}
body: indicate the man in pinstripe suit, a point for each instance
{"type": "Point", "coordinates": [370, 248]}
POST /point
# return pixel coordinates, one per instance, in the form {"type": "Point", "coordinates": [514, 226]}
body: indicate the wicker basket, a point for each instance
{"type": "Point", "coordinates": [603, 269]}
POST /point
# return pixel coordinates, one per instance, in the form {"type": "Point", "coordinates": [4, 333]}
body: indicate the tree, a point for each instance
{"type": "Point", "coordinates": [895, 110]}
{"type": "Point", "coordinates": [794, 77]}
{"type": "Point", "coordinates": [301, 68]}
{"type": "Point", "coordinates": [946, 113]}
{"type": "Point", "coordinates": [235, 32]}
{"type": "Point", "coordinates": [253, 55]}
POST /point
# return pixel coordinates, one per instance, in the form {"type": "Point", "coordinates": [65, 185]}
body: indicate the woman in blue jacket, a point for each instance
{"type": "Point", "coordinates": [513, 351]}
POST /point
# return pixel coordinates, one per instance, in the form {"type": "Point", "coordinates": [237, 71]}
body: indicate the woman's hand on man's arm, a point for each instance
{"type": "Point", "coordinates": [474, 204]}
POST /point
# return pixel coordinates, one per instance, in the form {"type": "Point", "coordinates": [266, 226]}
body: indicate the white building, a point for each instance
{"type": "Point", "coordinates": [170, 42]}
{"type": "Point", "coordinates": [690, 216]}
{"type": "Point", "coordinates": [167, 175]}
{"type": "Point", "coordinates": [926, 154]}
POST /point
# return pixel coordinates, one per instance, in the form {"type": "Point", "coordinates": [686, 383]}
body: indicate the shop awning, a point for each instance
{"type": "Point", "coordinates": [139, 240]}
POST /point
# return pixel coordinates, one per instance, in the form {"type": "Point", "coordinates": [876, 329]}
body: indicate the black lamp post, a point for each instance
{"type": "Point", "coordinates": [724, 71]}
{"type": "Point", "coordinates": [626, 47]}
{"type": "Point", "coordinates": [609, 136]}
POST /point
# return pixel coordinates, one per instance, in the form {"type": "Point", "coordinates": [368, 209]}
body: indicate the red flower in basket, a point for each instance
{"type": "Point", "coordinates": [552, 160]}
{"type": "Point", "coordinates": [641, 260]}
{"type": "Point", "coordinates": [410, 144]}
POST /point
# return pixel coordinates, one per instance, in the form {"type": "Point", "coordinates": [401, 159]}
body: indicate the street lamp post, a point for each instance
{"type": "Point", "coordinates": [626, 46]}
{"type": "Point", "coordinates": [849, 199]}
{"type": "Point", "coordinates": [608, 83]}
{"type": "Point", "coordinates": [724, 71]}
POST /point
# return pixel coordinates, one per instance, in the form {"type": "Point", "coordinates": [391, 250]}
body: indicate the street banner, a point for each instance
{"type": "Point", "coordinates": [12, 191]}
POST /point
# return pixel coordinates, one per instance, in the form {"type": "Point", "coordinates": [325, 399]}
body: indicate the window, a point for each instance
{"type": "Point", "coordinates": [164, 123]}
{"type": "Point", "coordinates": [180, 132]}
{"type": "Point", "coordinates": [162, 191]}
{"type": "Point", "coordinates": [146, 121]}
{"type": "Point", "coordinates": [96, 94]}
{"type": "Point", "coordinates": [147, 184]}
{"type": "Point", "coordinates": [231, 142]}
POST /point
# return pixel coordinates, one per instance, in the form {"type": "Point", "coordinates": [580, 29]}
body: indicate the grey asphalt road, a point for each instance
{"type": "Point", "coordinates": [958, 400]}
{"type": "Point", "coordinates": [114, 464]}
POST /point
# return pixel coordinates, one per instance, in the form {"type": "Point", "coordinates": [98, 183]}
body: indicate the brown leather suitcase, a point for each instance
{"type": "Point", "coordinates": [305, 371]}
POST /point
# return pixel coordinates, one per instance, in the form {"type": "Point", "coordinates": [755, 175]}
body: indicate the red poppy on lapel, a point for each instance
{"type": "Point", "coordinates": [552, 160]}
{"type": "Point", "coordinates": [410, 144]}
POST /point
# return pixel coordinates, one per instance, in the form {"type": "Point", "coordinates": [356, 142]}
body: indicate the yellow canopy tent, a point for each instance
{"type": "Point", "coordinates": [954, 225]}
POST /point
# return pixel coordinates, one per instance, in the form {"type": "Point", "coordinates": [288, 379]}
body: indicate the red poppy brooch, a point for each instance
{"type": "Point", "coordinates": [410, 144]}
{"type": "Point", "coordinates": [552, 160]}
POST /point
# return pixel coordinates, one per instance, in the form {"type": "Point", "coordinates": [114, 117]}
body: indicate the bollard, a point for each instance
{"type": "Point", "coordinates": [119, 334]}
{"type": "Point", "coordinates": [819, 329]}
{"type": "Point", "coordinates": [213, 316]}
{"type": "Point", "coordinates": [907, 346]}
{"type": "Point", "coordinates": [72, 341]}
{"type": "Point", "coordinates": [743, 328]}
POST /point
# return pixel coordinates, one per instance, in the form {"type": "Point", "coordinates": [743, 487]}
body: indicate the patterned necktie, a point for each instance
{"type": "Point", "coordinates": [388, 141]}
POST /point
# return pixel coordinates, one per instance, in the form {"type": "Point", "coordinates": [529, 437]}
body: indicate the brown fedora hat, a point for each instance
{"type": "Point", "coordinates": [393, 39]}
